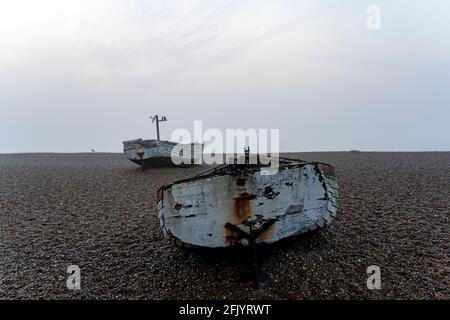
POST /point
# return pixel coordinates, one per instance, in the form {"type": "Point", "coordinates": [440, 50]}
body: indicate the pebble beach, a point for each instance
{"type": "Point", "coordinates": [98, 211]}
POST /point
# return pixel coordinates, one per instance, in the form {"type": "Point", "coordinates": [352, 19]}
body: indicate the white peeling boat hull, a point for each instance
{"type": "Point", "coordinates": [156, 153]}
{"type": "Point", "coordinates": [227, 209]}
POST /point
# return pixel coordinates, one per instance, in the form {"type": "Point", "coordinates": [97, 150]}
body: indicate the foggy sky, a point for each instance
{"type": "Point", "coordinates": [80, 75]}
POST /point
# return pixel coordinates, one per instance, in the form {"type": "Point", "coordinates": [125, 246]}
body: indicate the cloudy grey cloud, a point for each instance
{"type": "Point", "coordinates": [76, 75]}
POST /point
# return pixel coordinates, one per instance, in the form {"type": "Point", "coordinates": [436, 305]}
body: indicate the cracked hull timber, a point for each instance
{"type": "Point", "coordinates": [219, 210]}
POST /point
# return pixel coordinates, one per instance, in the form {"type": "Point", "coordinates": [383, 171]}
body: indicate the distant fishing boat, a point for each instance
{"type": "Point", "coordinates": [235, 204]}
{"type": "Point", "coordinates": [156, 153]}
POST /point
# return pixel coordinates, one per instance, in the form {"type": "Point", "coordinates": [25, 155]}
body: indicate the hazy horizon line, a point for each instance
{"type": "Point", "coordinates": [281, 152]}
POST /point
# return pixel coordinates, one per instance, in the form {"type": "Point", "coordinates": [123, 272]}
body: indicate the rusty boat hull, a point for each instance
{"type": "Point", "coordinates": [227, 207]}
{"type": "Point", "coordinates": [158, 153]}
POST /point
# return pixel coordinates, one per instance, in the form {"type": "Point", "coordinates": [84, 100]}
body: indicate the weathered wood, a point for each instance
{"type": "Point", "coordinates": [301, 197]}
{"type": "Point", "coordinates": [150, 153]}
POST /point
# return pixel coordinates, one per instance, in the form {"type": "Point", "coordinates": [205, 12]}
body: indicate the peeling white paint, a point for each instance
{"type": "Point", "coordinates": [301, 197]}
{"type": "Point", "coordinates": [158, 152]}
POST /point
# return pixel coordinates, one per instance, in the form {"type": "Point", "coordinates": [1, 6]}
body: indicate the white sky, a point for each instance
{"type": "Point", "coordinates": [76, 75]}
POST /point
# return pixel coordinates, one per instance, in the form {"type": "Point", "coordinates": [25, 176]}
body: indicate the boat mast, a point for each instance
{"type": "Point", "coordinates": [158, 120]}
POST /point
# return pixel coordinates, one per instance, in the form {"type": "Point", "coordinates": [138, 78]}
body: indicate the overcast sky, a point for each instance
{"type": "Point", "coordinates": [83, 74]}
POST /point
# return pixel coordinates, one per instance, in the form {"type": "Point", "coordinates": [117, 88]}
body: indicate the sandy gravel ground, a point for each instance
{"type": "Point", "coordinates": [98, 211]}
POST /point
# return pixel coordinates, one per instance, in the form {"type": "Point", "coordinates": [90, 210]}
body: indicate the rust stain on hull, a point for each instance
{"type": "Point", "coordinates": [267, 234]}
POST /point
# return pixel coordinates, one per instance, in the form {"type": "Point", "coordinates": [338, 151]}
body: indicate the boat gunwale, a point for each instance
{"type": "Point", "coordinates": [295, 163]}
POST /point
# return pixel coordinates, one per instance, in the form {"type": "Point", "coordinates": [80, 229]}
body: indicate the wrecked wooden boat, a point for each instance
{"type": "Point", "coordinates": [237, 204]}
{"type": "Point", "coordinates": [157, 153]}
